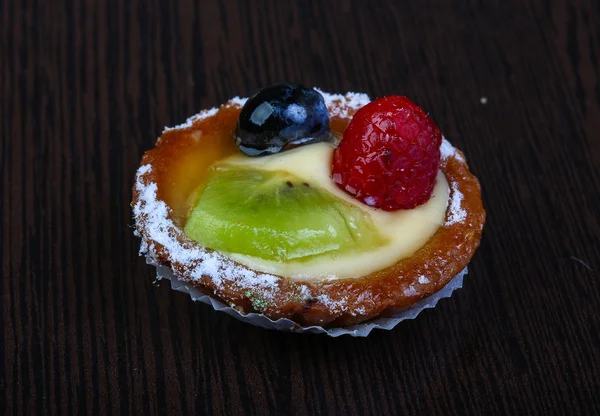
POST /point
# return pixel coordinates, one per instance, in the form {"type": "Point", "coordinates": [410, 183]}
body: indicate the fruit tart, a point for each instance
{"type": "Point", "coordinates": [325, 209]}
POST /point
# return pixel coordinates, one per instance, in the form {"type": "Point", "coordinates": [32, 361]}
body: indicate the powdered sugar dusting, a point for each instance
{"type": "Point", "coordinates": [340, 104]}
{"type": "Point", "coordinates": [205, 114]}
{"type": "Point", "coordinates": [190, 121]}
{"type": "Point", "coordinates": [335, 305]}
{"type": "Point", "coordinates": [423, 280]}
{"type": "Point", "coordinates": [447, 151]}
{"type": "Point", "coordinates": [456, 212]}
{"type": "Point", "coordinates": [152, 217]}
{"type": "Point", "coordinates": [144, 169]}
{"type": "Point", "coordinates": [410, 291]}
{"type": "Point", "coordinates": [238, 101]}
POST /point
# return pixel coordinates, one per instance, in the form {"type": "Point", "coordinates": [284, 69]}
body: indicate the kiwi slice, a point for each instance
{"type": "Point", "coordinates": [275, 216]}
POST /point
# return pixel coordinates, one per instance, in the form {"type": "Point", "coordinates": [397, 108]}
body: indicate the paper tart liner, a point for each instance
{"type": "Point", "coordinates": [362, 329]}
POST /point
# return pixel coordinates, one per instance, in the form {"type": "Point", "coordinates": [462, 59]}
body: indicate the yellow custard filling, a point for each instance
{"type": "Point", "coordinates": [406, 230]}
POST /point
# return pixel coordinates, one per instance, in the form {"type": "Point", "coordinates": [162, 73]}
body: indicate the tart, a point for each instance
{"type": "Point", "coordinates": [325, 209]}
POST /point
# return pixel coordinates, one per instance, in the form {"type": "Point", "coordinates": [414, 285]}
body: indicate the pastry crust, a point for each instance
{"type": "Point", "coordinates": [331, 303]}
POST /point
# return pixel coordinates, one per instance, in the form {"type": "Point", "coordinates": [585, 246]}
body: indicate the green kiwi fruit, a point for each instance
{"type": "Point", "coordinates": [274, 215]}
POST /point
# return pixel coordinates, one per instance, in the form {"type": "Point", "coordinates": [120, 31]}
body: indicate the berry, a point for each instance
{"type": "Point", "coordinates": [281, 117]}
{"type": "Point", "coordinates": [389, 155]}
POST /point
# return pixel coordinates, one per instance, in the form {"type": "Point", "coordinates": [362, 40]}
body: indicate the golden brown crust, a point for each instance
{"type": "Point", "coordinates": [340, 302]}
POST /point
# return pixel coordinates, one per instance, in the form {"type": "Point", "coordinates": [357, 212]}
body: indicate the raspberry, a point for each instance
{"type": "Point", "coordinates": [389, 155]}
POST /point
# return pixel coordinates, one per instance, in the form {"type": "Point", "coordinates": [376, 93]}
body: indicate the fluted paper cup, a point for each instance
{"type": "Point", "coordinates": [286, 325]}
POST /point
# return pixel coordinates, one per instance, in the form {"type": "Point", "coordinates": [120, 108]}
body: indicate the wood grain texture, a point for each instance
{"type": "Point", "coordinates": [86, 87]}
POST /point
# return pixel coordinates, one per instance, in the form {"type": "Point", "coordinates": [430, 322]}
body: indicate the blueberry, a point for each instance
{"type": "Point", "coordinates": [281, 117]}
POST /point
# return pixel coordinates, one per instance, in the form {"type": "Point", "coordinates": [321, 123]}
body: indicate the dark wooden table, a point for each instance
{"type": "Point", "coordinates": [86, 87]}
